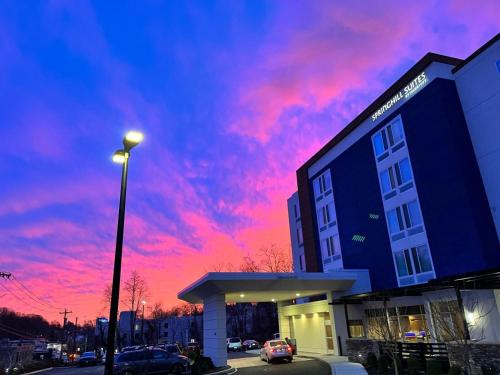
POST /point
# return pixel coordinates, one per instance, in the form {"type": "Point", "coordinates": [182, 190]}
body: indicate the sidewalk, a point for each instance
{"type": "Point", "coordinates": [340, 365]}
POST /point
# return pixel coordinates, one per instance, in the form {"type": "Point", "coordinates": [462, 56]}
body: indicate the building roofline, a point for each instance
{"type": "Point", "coordinates": [384, 97]}
{"type": "Point", "coordinates": [480, 50]}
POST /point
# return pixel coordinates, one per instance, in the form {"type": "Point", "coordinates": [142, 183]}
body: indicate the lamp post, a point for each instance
{"type": "Point", "coordinates": [142, 321]}
{"type": "Point", "coordinates": [130, 140]}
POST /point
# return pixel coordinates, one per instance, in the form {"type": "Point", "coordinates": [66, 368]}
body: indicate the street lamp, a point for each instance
{"type": "Point", "coordinates": [131, 139]}
{"type": "Point", "coordinates": [142, 322]}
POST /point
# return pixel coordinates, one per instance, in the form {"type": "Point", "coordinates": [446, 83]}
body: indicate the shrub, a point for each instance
{"type": "Point", "coordinates": [455, 370]}
{"type": "Point", "coordinates": [371, 361]}
{"type": "Point", "coordinates": [414, 366]}
{"type": "Point", "coordinates": [383, 363]}
{"type": "Point", "coordinates": [436, 367]}
{"type": "Point", "coordinates": [488, 370]}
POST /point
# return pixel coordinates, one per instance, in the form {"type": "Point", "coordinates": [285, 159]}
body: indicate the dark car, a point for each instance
{"type": "Point", "coordinates": [88, 359]}
{"type": "Point", "coordinates": [250, 344]}
{"type": "Point", "coordinates": [154, 361]}
{"type": "Point", "coordinates": [170, 348]}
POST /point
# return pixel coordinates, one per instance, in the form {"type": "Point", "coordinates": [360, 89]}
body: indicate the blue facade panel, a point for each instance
{"type": "Point", "coordinates": [454, 206]}
{"type": "Point", "coordinates": [360, 212]}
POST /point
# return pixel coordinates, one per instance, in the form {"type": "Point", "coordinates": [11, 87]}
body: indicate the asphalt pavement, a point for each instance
{"type": "Point", "coordinates": [250, 363]}
{"type": "Point", "coordinates": [241, 363]}
{"type": "Point", "coordinates": [88, 370]}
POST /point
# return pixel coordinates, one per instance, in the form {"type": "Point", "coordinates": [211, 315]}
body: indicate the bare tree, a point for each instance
{"type": "Point", "coordinates": [136, 290]}
{"type": "Point", "coordinates": [274, 259]}
{"type": "Point", "coordinates": [381, 326]}
{"type": "Point", "coordinates": [249, 264]}
{"type": "Point", "coordinates": [220, 267]}
{"type": "Point", "coordinates": [106, 298]}
{"type": "Point", "coordinates": [450, 325]}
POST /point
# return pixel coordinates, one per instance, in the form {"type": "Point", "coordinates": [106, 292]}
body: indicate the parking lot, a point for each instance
{"type": "Point", "coordinates": [242, 363]}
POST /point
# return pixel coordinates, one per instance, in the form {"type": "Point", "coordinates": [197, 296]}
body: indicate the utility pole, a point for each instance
{"type": "Point", "coordinates": [65, 320]}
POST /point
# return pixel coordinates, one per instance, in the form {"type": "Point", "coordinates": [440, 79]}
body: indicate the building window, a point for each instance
{"type": "Point", "coordinates": [166, 325]}
{"type": "Point", "coordinates": [300, 238]}
{"type": "Point", "coordinates": [421, 259]}
{"type": "Point", "coordinates": [415, 260]}
{"type": "Point", "coordinates": [405, 220]}
{"type": "Point", "coordinates": [296, 211]}
{"type": "Point", "coordinates": [330, 248]}
{"type": "Point", "coordinates": [302, 263]}
{"type": "Point", "coordinates": [397, 176]}
{"type": "Point", "coordinates": [322, 185]}
{"type": "Point", "coordinates": [390, 138]}
{"type": "Point", "coordinates": [325, 216]}
{"type": "Point", "coordinates": [165, 334]}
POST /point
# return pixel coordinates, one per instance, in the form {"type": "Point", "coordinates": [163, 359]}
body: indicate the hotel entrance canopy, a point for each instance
{"type": "Point", "coordinates": [267, 287]}
{"type": "Point", "coordinates": [215, 289]}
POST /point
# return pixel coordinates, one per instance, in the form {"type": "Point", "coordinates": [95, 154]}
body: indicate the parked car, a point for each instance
{"type": "Point", "coordinates": [150, 361]}
{"type": "Point", "coordinates": [250, 344]}
{"type": "Point", "coordinates": [234, 344]}
{"type": "Point", "coordinates": [276, 349]}
{"type": "Point", "coordinates": [170, 348]}
{"type": "Point", "coordinates": [88, 359]}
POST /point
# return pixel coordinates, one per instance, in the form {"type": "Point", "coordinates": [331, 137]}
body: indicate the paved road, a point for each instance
{"type": "Point", "coordinates": [313, 367]}
{"type": "Point", "coordinates": [90, 370]}
{"type": "Point", "coordinates": [243, 364]}
{"type": "Point", "coordinates": [250, 363]}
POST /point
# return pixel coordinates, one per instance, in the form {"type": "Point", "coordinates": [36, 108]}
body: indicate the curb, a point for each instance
{"type": "Point", "coordinates": [222, 371]}
{"type": "Point", "coordinates": [38, 371]}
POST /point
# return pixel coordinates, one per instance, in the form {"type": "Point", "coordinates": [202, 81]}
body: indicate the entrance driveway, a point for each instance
{"type": "Point", "coordinates": [250, 363]}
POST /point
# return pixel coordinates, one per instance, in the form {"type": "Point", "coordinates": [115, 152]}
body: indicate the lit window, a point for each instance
{"type": "Point", "coordinates": [405, 217]}
{"type": "Point", "coordinates": [380, 143]}
{"type": "Point", "coordinates": [395, 132]}
{"type": "Point", "coordinates": [396, 176]}
{"type": "Point", "coordinates": [405, 174]}
{"type": "Point", "coordinates": [395, 220]}
{"type": "Point", "coordinates": [388, 138]}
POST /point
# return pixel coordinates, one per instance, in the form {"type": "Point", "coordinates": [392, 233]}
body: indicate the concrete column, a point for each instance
{"type": "Point", "coordinates": [214, 329]}
{"type": "Point", "coordinates": [339, 326]}
{"type": "Point", "coordinates": [283, 322]}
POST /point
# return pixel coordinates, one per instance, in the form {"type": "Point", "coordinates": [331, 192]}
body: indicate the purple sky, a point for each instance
{"type": "Point", "coordinates": [233, 96]}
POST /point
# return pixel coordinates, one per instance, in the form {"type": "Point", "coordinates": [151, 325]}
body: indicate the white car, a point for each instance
{"type": "Point", "coordinates": [234, 344]}
{"type": "Point", "coordinates": [276, 349]}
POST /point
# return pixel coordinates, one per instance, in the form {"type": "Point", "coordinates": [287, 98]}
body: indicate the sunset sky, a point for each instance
{"type": "Point", "coordinates": [232, 96]}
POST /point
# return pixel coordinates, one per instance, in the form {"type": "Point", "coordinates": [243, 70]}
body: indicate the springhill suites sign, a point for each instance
{"type": "Point", "coordinates": [405, 93]}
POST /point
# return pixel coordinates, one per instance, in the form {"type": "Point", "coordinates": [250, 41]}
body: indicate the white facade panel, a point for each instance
{"type": "Point", "coordinates": [296, 237]}
{"type": "Point", "coordinates": [478, 85]}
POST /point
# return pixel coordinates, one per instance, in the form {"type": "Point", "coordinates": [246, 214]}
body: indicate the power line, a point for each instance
{"type": "Point", "coordinates": [32, 295]}
{"type": "Point", "coordinates": [20, 286]}
{"type": "Point", "coordinates": [23, 301]}
{"type": "Point", "coordinates": [15, 330]}
{"type": "Point", "coordinates": [17, 334]}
